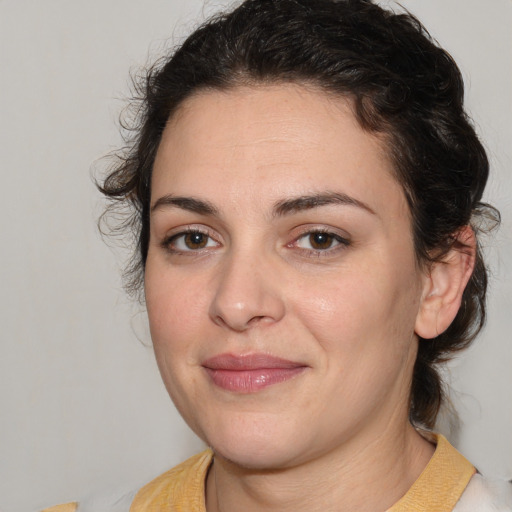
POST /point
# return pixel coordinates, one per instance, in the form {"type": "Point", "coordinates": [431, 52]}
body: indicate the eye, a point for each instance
{"type": "Point", "coordinates": [189, 241]}
{"type": "Point", "coordinates": [320, 241]}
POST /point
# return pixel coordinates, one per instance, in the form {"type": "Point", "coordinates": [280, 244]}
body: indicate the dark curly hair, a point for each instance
{"type": "Point", "coordinates": [403, 86]}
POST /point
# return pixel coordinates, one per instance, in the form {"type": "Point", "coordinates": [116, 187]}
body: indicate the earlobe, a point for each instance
{"type": "Point", "coordinates": [444, 285]}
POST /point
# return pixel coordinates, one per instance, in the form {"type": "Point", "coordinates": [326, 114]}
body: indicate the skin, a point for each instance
{"type": "Point", "coordinates": [349, 312]}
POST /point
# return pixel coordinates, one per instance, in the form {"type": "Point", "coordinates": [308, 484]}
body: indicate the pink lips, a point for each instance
{"type": "Point", "coordinates": [250, 373]}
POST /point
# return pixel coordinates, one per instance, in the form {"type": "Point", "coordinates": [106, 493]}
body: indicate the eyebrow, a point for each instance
{"type": "Point", "coordinates": [185, 203]}
{"type": "Point", "coordinates": [281, 208]}
{"type": "Point", "coordinates": [308, 202]}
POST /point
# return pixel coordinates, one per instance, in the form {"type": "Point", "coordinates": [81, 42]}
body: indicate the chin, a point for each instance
{"type": "Point", "coordinates": [256, 444]}
{"type": "Point", "coordinates": [255, 457]}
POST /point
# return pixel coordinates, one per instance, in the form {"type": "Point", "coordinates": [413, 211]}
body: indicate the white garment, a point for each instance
{"type": "Point", "coordinates": [482, 495]}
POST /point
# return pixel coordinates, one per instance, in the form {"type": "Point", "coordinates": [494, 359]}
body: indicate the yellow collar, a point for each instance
{"type": "Point", "coordinates": [440, 484]}
{"type": "Point", "coordinates": [437, 489]}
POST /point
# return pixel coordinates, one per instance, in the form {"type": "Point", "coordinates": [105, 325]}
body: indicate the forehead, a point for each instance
{"type": "Point", "coordinates": [273, 141]}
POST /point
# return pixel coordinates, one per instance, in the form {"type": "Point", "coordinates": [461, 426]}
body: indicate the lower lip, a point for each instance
{"type": "Point", "coordinates": [250, 381]}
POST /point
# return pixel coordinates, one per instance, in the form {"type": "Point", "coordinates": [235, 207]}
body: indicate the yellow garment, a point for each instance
{"type": "Point", "coordinates": [440, 484]}
{"type": "Point", "coordinates": [181, 489]}
{"type": "Point", "coordinates": [66, 507]}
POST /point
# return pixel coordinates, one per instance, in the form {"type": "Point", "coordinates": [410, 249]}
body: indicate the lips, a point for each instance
{"type": "Point", "coordinates": [251, 372]}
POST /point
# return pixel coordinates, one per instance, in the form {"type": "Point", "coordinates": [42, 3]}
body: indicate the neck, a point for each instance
{"type": "Point", "coordinates": [371, 474]}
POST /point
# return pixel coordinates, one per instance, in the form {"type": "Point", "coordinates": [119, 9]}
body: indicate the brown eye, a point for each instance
{"type": "Point", "coordinates": [189, 241]}
{"type": "Point", "coordinates": [321, 241]}
{"type": "Point", "coordinates": [195, 240]}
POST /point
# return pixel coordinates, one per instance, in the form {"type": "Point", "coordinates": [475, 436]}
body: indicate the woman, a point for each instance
{"type": "Point", "coordinates": [306, 194]}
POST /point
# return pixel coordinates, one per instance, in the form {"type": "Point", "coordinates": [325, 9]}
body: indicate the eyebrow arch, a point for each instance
{"type": "Point", "coordinates": [307, 202]}
{"type": "Point", "coordinates": [185, 203]}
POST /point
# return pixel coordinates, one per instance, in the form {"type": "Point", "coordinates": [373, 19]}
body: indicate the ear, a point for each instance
{"type": "Point", "coordinates": [444, 285]}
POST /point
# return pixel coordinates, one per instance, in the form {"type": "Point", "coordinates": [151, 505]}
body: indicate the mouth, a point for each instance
{"type": "Point", "coordinates": [251, 372]}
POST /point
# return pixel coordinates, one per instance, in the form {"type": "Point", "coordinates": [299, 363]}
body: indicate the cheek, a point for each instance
{"type": "Point", "coordinates": [176, 313]}
{"type": "Point", "coordinates": [356, 312]}
{"type": "Point", "coordinates": [176, 308]}
{"type": "Point", "coordinates": [338, 301]}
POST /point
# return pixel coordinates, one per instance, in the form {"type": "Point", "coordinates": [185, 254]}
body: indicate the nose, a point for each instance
{"type": "Point", "coordinates": [248, 293]}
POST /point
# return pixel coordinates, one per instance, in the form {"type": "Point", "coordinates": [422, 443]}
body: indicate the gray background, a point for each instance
{"type": "Point", "coordinates": [82, 406]}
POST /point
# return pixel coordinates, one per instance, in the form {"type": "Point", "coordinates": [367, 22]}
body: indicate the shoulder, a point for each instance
{"type": "Point", "coordinates": [117, 500]}
{"type": "Point", "coordinates": [182, 486]}
{"type": "Point", "coordinates": [65, 507]}
{"type": "Point", "coordinates": [183, 482]}
{"type": "Point", "coordinates": [485, 495]}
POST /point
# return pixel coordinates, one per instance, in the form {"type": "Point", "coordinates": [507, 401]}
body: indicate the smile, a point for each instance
{"type": "Point", "coordinates": [250, 373]}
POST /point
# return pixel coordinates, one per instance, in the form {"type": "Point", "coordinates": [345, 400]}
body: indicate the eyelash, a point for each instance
{"type": "Point", "coordinates": [168, 242]}
{"type": "Point", "coordinates": [342, 242]}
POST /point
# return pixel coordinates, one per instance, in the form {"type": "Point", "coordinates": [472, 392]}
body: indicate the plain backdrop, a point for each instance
{"type": "Point", "coordinates": [82, 407]}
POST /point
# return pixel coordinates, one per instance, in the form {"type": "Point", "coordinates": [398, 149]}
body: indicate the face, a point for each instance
{"type": "Point", "coordinates": [281, 283]}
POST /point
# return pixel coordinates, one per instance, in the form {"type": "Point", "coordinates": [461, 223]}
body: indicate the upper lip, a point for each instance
{"type": "Point", "coordinates": [248, 362]}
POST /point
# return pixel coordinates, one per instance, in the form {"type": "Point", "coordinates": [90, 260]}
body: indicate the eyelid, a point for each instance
{"type": "Point", "coordinates": [342, 238]}
{"type": "Point", "coordinates": [182, 231]}
{"type": "Point", "coordinates": [319, 228]}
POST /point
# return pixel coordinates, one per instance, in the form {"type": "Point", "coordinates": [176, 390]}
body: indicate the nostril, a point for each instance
{"type": "Point", "coordinates": [256, 319]}
{"type": "Point", "coordinates": [240, 325]}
